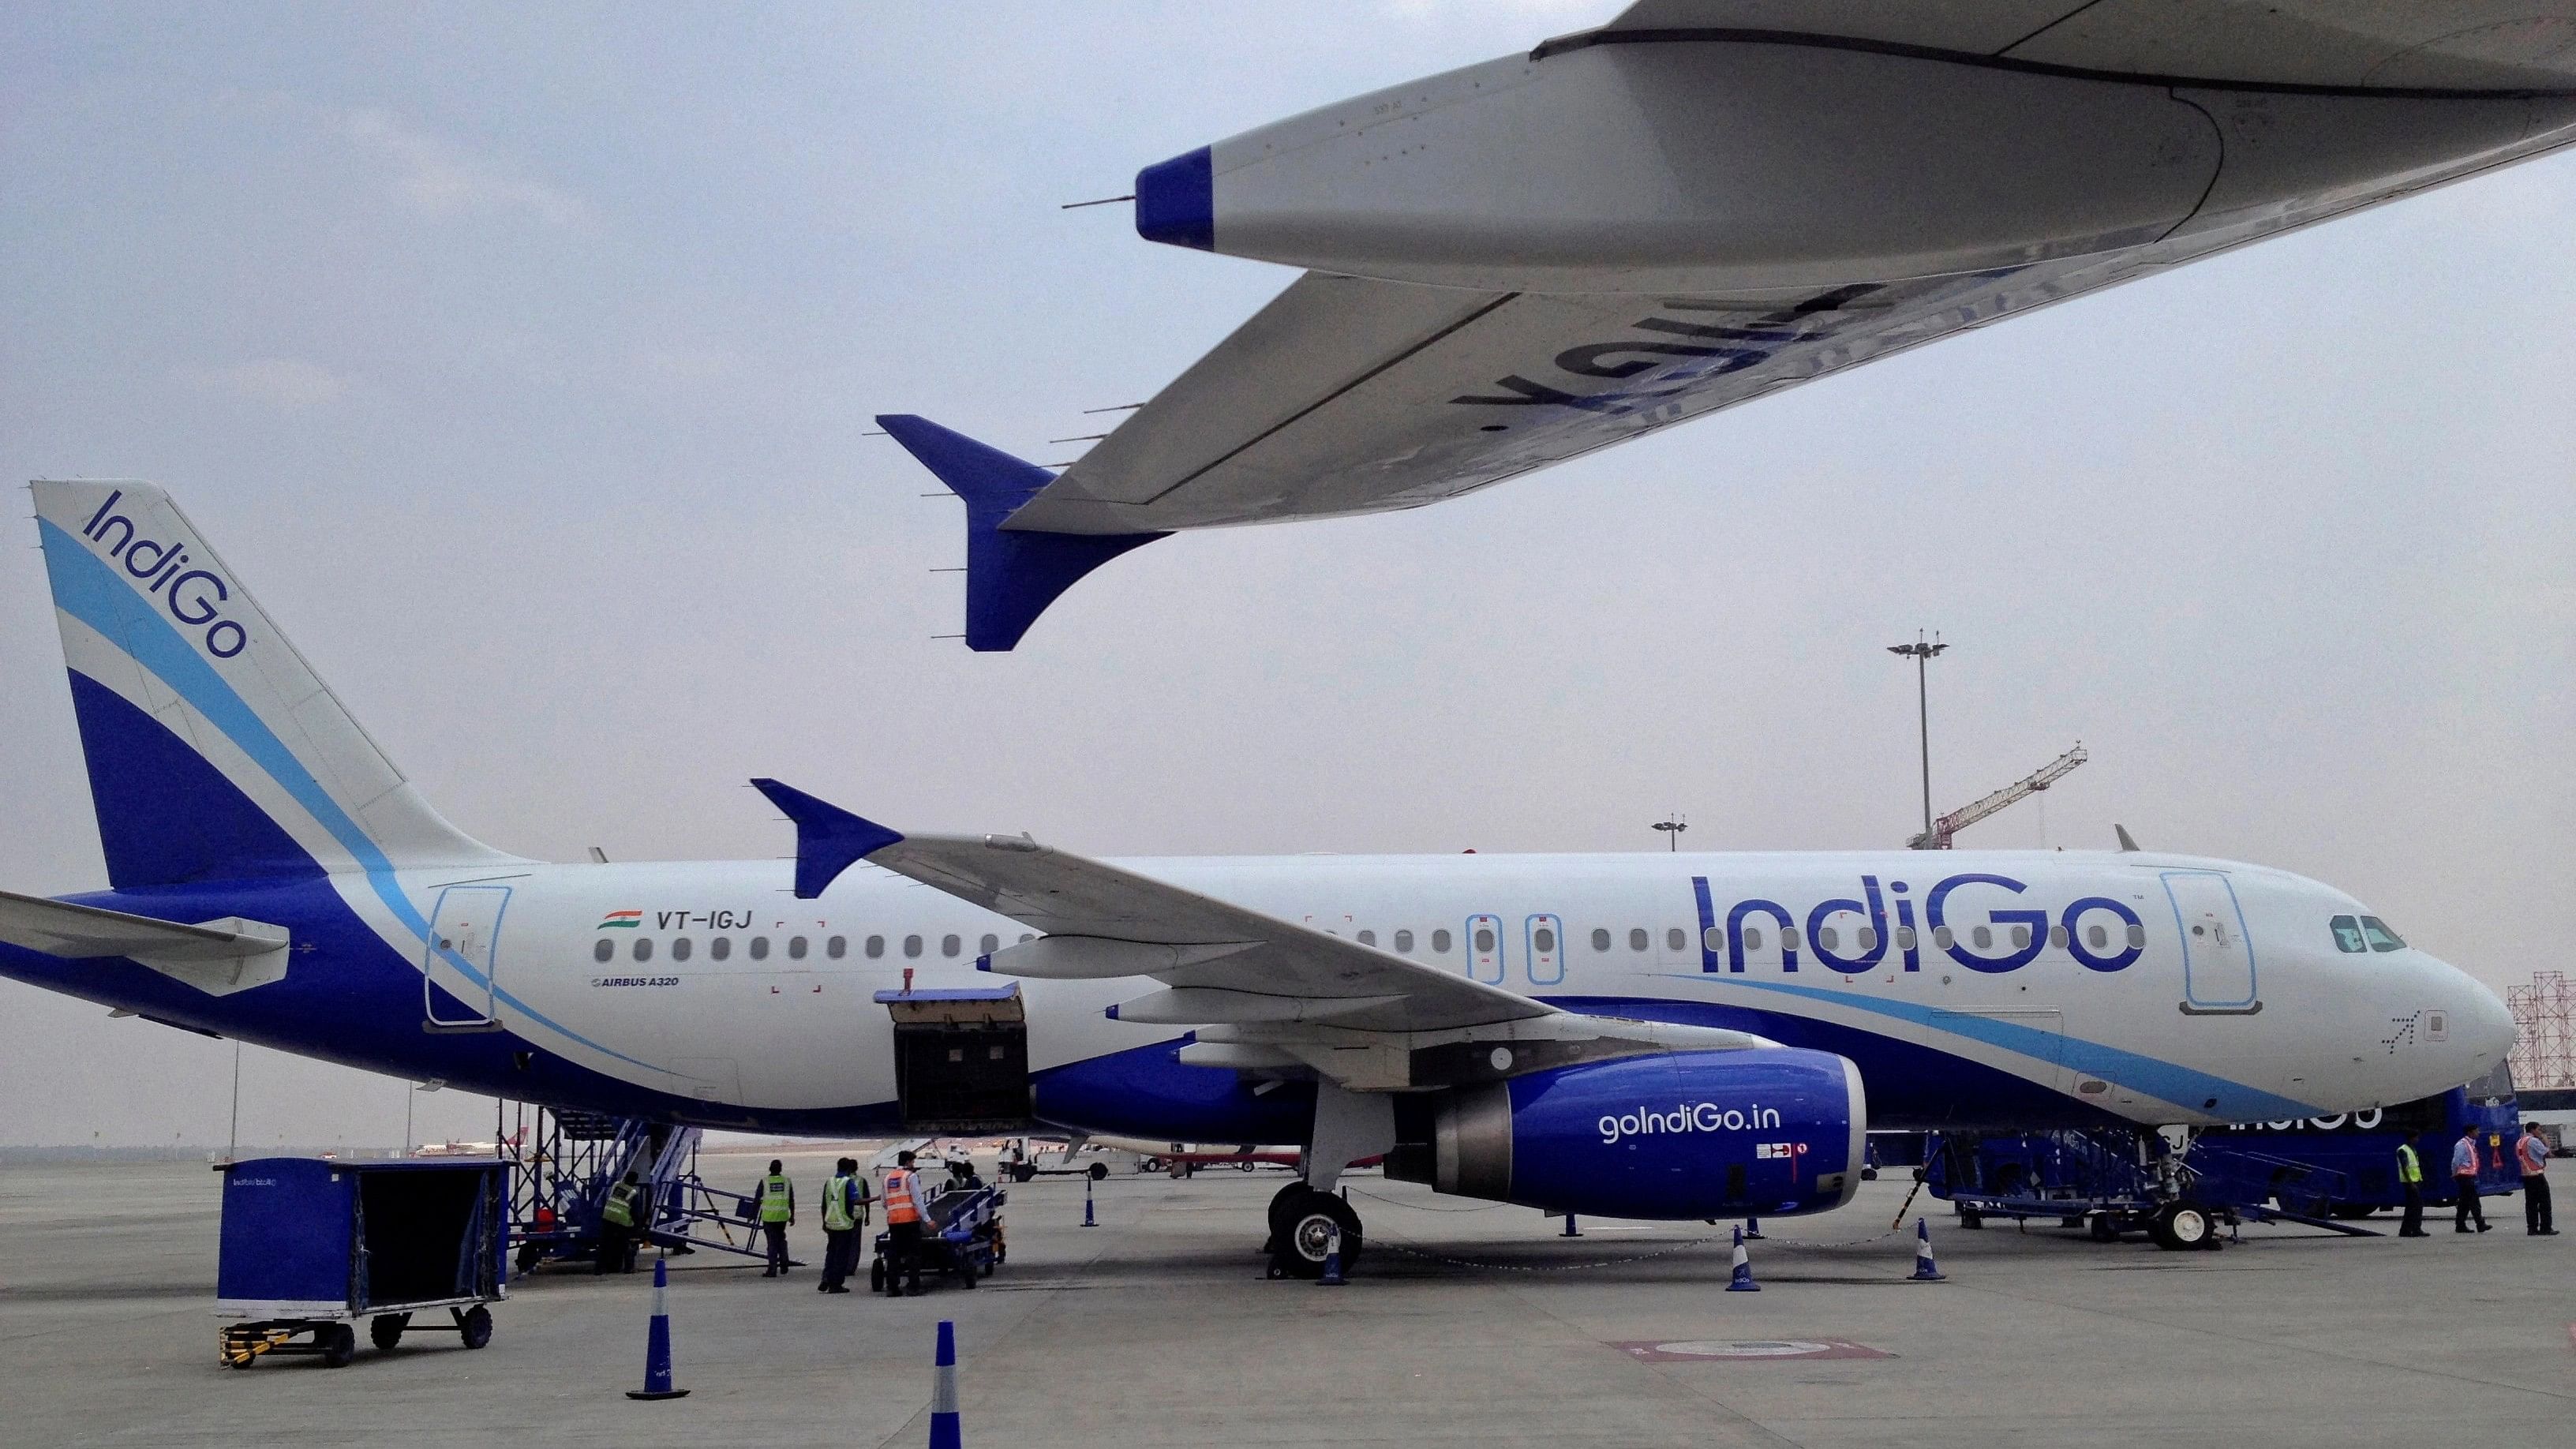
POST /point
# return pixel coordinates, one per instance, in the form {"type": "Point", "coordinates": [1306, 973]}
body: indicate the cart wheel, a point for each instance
{"type": "Point", "coordinates": [386, 1329]}
{"type": "Point", "coordinates": [474, 1326]}
{"type": "Point", "coordinates": [967, 1276]}
{"type": "Point", "coordinates": [876, 1275]}
{"type": "Point", "coordinates": [528, 1255]}
{"type": "Point", "coordinates": [339, 1344]}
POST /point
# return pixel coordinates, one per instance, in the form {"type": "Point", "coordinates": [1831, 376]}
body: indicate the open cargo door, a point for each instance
{"type": "Point", "coordinates": [961, 1058]}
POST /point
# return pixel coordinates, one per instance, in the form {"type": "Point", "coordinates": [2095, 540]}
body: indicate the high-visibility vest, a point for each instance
{"type": "Point", "coordinates": [2409, 1170]}
{"type": "Point", "coordinates": [774, 1199]}
{"type": "Point", "coordinates": [836, 1206]}
{"type": "Point", "coordinates": [2534, 1154]}
{"type": "Point", "coordinates": [2470, 1169]}
{"type": "Point", "coordinates": [621, 1205]}
{"type": "Point", "coordinates": [902, 1200]}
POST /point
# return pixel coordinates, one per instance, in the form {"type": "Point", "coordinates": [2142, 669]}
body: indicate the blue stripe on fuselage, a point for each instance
{"type": "Point", "coordinates": [85, 588]}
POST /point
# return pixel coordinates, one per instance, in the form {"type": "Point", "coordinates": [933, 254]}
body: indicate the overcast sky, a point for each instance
{"type": "Point", "coordinates": [522, 364]}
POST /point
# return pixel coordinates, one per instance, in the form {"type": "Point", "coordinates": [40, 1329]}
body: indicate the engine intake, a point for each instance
{"type": "Point", "coordinates": [1674, 1135]}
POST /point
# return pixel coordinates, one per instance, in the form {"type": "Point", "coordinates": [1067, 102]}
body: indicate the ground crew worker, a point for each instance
{"type": "Point", "coordinates": [845, 1207]}
{"type": "Point", "coordinates": [2464, 1176]}
{"type": "Point", "coordinates": [2410, 1176]}
{"type": "Point", "coordinates": [905, 1197]}
{"type": "Point", "coordinates": [2531, 1154]}
{"type": "Point", "coordinates": [777, 1205]}
{"type": "Point", "coordinates": [617, 1227]}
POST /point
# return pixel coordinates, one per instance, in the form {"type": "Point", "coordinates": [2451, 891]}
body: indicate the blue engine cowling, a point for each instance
{"type": "Point", "coordinates": [1770, 1130]}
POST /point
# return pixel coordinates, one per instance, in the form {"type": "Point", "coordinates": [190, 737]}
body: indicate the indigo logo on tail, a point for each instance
{"type": "Point", "coordinates": [194, 597]}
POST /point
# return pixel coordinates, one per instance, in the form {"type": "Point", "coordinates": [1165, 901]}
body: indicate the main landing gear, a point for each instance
{"type": "Point", "coordinates": [1303, 1223]}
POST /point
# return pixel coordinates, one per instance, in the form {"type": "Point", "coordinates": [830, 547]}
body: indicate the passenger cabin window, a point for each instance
{"type": "Point", "coordinates": [875, 947]}
{"type": "Point", "coordinates": [1440, 943]}
{"type": "Point", "coordinates": [2347, 935]}
{"type": "Point", "coordinates": [1484, 940]}
{"type": "Point", "coordinates": [2381, 938]}
{"type": "Point", "coordinates": [1404, 942]}
{"type": "Point", "coordinates": [1600, 939]}
{"type": "Point", "coordinates": [2021, 938]}
{"type": "Point", "coordinates": [1905, 937]}
{"type": "Point", "coordinates": [1636, 938]}
{"type": "Point", "coordinates": [1544, 939]}
{"type": "Point", "coordinates": [1676, 939]}
{"type": "Point", "coordinates": [795, 948]}
{"type": "Point", "coordinates": [1027, 936]}
{"type": "Point", "coordinates": [1788, 938]}
{"type": "Point", "coordinates": [1713, 939]}
{"type": "Point", "coordinates": [2137, 935]}
{"type": "Point", "coordinates": [1868, 939]}
{"type": "Point", "coordinates": [1828, 939]}
{"type": "Point", "coordinates": [2096, 937]}
{"type": "Point", "coordinates": [680, 948]}
{"type": "Point", "coordinates": [604, 950]}
{"type": "Point", "coordinates": [1368, 938]}
{"type": "Point", "coordinates": [1753, 938]}
{"type": "Point", "coordinates": [643, 948]}
{"type": "Point", "coordinates": [912, 945]}
{"type": "Point", "coordinates": [721, 947]}
{"type": "Point", "coordinates": [2057, 937]}
{"type": "Point", "coordinates": [837, 947]}
{"type": "Point", "coordinates": [990, 944]}
{"type": "Point", "coordinates": [760, 948]}
{"type": "Point", "coordinates": [1983, 937]}
{"type": "Point", "coordinates": [950, 945]}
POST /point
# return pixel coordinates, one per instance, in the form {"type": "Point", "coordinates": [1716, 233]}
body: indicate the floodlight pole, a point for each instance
{"type": "Point", "coordinates": [1922, 653]}
{"type": "Point", "coordinates": [1672, 826]}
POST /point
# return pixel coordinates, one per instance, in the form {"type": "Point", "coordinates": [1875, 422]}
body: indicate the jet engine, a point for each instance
{"type": "Point", "coordinates": [1772, 1130]}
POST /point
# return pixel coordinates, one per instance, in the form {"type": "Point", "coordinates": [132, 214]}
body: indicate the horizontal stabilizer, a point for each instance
{"type": "Point", "coordinates": [1011, 574]}
{"type": "Point", "coordinates": [81, 933]}
{"type": "Point", "coordinates": [829, 839]}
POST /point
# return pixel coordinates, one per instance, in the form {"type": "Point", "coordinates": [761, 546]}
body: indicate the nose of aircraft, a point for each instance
{"type": "Point", "coordinates": [2480, 1022]}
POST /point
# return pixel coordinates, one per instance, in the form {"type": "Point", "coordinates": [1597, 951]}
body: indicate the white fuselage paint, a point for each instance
{"type": "Point", "coordinates": [782, 1032]}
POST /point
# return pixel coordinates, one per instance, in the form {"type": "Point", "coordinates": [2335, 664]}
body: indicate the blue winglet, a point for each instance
{"type": "Point", "coordinates": [1011, 575]}
{"type": "Point", "coordinates": [829, 839]}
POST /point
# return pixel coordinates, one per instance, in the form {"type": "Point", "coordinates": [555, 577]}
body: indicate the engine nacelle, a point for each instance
{"type": "Point", "coordinates": [1774, 1131]}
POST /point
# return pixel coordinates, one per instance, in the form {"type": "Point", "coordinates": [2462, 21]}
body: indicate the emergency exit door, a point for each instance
{"type": "Point", "coordinates": [2217, 955]}
{"type": "Point", "coordinates": [463, 953]}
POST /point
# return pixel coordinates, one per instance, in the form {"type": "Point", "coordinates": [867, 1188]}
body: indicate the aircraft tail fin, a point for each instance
{"type": "Point", "coordinates": [214, 751]}
{"type": "Point", "coordinates": [1011, 574]}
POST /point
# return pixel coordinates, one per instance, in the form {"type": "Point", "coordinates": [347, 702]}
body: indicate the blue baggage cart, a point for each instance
{"type": "Point", "coordinates": [312, 1246]}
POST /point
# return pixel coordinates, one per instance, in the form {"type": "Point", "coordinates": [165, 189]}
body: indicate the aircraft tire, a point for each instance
{"type": "Point", "coordinates": [2180, 1226]}
{"type": "Point", "coordinates": [1307, 1227]}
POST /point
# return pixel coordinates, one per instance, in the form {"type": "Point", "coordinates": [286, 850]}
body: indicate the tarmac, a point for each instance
{"type": "Point", "coordinates": [1464, 1324]}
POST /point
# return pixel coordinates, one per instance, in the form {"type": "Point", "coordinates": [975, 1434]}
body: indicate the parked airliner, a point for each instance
{"type": "Point", "coordinates": [1643, 1035]}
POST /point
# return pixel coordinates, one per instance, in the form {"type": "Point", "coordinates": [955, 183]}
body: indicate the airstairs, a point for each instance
{"type": "Point", "coordinates": [564, 1163]}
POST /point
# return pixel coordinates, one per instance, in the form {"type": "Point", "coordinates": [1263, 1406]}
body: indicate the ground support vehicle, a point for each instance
{"type": "Point", "coordinates": [310, 1247]}
{"type": "Point", "coordinates": [961, 1238]}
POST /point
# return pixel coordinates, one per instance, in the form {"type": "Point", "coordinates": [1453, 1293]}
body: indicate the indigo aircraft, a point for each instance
{"type": "Point", "coordinates": [1703, 202]}
{"type": "Point", "coordinates": [1643, 1035]}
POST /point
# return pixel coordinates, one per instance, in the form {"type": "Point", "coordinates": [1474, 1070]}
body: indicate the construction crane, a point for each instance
{"type": "Point", "coordinates": [1948, 826]}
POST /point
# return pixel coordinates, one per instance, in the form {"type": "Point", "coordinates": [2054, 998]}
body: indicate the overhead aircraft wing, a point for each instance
{"type": "Point", "coordinates": [1272, 990]}
{"type": "Point", "coordinates": [59, 928]}
{"type": "Point", "coordinates": [1705, 201]}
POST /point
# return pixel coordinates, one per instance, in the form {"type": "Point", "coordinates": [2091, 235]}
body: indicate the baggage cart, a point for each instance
{"type": "Point", "coordinates": [310, 1247]}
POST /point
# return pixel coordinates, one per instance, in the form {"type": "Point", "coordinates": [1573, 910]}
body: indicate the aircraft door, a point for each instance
{"type": "Point", "coordinates": [1543, 952]}
{"type": "Point", "coordinates": [1485, 949]}
{"type": "Point", "coordinates": [464, 939]}
{"type": "Point", "coordinates": [2217, 955]}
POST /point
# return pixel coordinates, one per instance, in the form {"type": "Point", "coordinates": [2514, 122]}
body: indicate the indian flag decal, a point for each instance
{"type": "Point", "coordinates": [628, 919]}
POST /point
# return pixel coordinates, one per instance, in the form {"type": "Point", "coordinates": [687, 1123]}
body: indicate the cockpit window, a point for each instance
{"type": "Point", "coordinates": [2381, 938]}
{"type": "Point", "coordinates": [2347, 934]}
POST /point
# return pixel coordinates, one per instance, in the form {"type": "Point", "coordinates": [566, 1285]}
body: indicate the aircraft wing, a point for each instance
{"type": "Point", "coordinates": [1514, 263]}
{"type": "Point", "coordinates": [1264, 991]}
{"type": "Point", "coordinates": [59, 928]}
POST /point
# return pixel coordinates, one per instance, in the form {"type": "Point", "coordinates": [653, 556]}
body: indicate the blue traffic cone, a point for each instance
{"type": "Point", "coordinates": [1925, 1270]}
{"type": "Point", "coordinates": [1088, 1220]}
{"type": "Point", "coordinates": [944, 1433]}
{"type": "Point", "coordinates": [1742, 1281]}
{"type": "Point", "coordinates": [1752, 1230]}
{"type": "Point", "coordinates": [1332, 1262]}
{"type": "Point", "coordinates": [657, 1341]}
{"type": "Point", "coordinates": [1571, 1230]}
